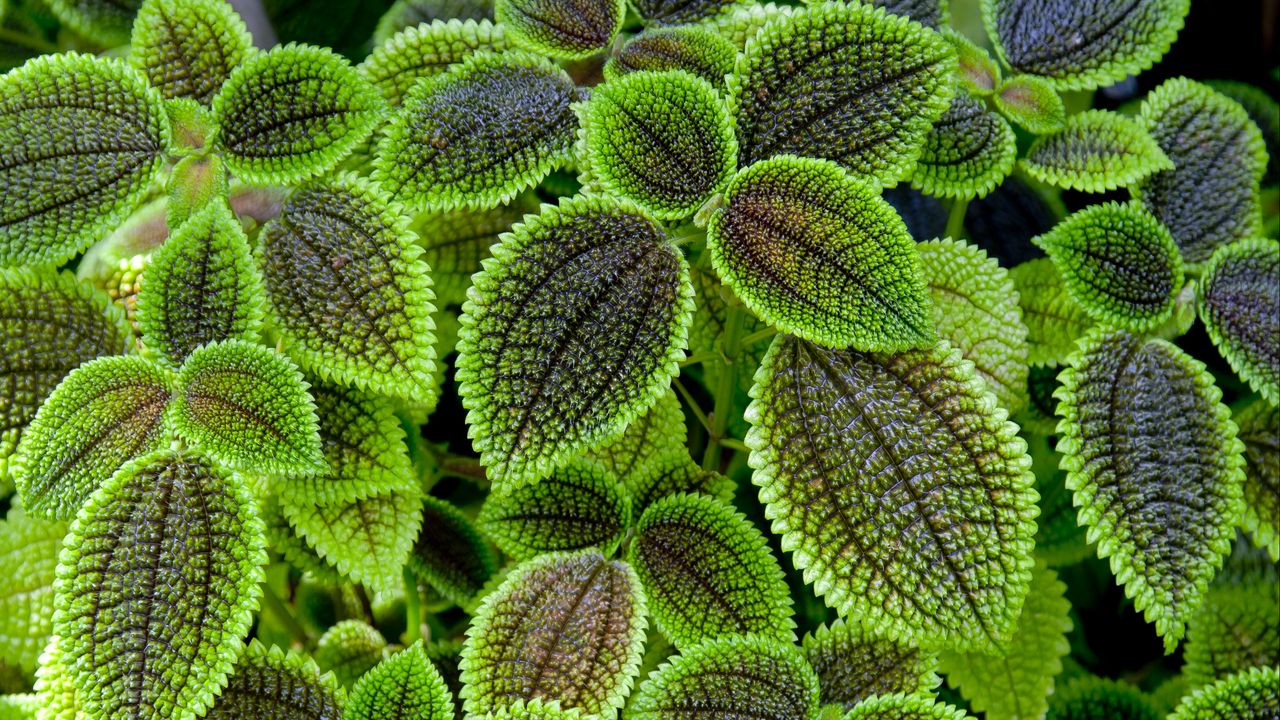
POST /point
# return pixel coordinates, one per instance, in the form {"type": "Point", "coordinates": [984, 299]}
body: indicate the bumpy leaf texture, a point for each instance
{"type": "Point", "coordinates": [743, 676]}
{"type": "Point", "coordinates": [904, 707]}
{"type": "Point", "coordinates": [285, 540]}
{"type": "Point", "coordinates": [661, 139]}
{"type": "Point", "coordinates": [405, 14]}
{"type": "Point", "coordinates": [1083, 44]}
{"type": "Point", "coordinates": [54, 687]}
{"type": "Point", "coordinates": [886, 474]}
{"type": "Point", "coordinates": [1054, 319]}
{"type": "Point", "coordinates": [269, 683]}
{"type": "Point", "coordinates": [476, 135]}
{"type": "Point", "coordinates": [673, 472]}
{"type": "Point", "coordinates": [105, 22]}
{"type": "Point", "coordinates": [28, 561]}
{"type": "Point", "coordinates": [742, 20]}
{"type": "Point", "coordinates": [658, 431]}
{"type": "Point", "coordinates": [532, 710]}
{"type": "Point", "coordinates": [573, 329]}
{"type": "Point", "coordinates": [1156, 468]}
{"type": "Point", "coordinates": [1031, 102]}
{"type": "Point", "coordinates": [455, 243]}
{"type": "Point", "coordinates": [695, 49]}
{"type": "Point", "coordinates": [1252, 694]}
{"type": "Point", "coordinates": [854, 664]}
{"type": "Point", "coordinates": [73, 116]}
{"type": "Point", "coordinates": [1259, 430]}
{"type": "Point", "coordinates": [562, 627]}
{"type": "Point", "coordinates": [293, 113]}
{"type": "Point", "coordinates": [817, 252]}
{"type": "Point", "coordinates": [564, 29]}
{"type": "Point", "coordinates": [450, 554]}
{"type": "Point", "coordinates": [104, 414]}
{"type": "Point", "coordinates": [1093, 698]}
{"type": "Point", "coordinates": [1119, 263]}
{"type": "Point", "coordinates": [884, 81]}
{"type": "Point", "coordinates": [1235, 629]}
{"type": "Point", "coordinates": [1210, 197]}
{"type": "Point", "coordinates": [978, 73]}
{"type": "Point", "coordinates": [1238, 300]}
{"type": "Point", "coordinates": [967, 153]}
{"type": "Point", "coordinates": [188, 48]}
{"type": "Point", "coordinates": [1265, 113]}
{"type": "Point", "coordinates": [420, 51]}
{"type": "Point", "coordinates": [349, 649]}
{"type": "Point", "coordinates": [1096, 151]}
{"type": "Point", "coordinates": [369, 321]}
{"type": "Point", "coordinates": [195, 183]}
{"type": "Point", "coordinates": [405, 686]}
{"type": "Point", "coordinates": [685, 12]}
{"type": "Point", "coordinates": [157, 585]}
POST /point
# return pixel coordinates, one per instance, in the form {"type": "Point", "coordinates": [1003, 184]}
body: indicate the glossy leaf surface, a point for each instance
{"type": "Point", "coordinates": [1237, 302]}
{"type": "Point", "coordinates": [188, 48]}
{"type": "Point", "coordinates": [1031, 102]}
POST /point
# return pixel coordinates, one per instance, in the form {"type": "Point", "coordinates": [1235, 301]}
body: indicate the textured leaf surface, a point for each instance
{"type": "Point", "coordinates": [884, 81]}
{"type": "Point", "coordinates": [930, 13]}
{"type": "Point", "coordinates": [450, 553]}
{"type": "Point", "coordinates": [371, 325]}
{"type": "Point", "coordinates": [1235, 629]}
{"type": "Point", "coordinates": [815, 251]}
{"type": "Point", "coordinates": [700, 51]}
{"type": "Point", "coordinates": [1031, 102]}
{"type": "Point", "coordinates": [888, 473]}
{"type": "Point", "coordinates": [188, 48]}
{"type": "Point", "coordinates": [748, 677]}
{"type": "Point", "coordinates": [1265, 112]}
{"type": "Point", "coordinates": [293, 113]}
{"type": "Point", "coordinates": [1119, 263]}
{"type": "Point", "coordinates": [660, 139]}
{"type": "Point", "coordinates": [405, 14]}
{"type": "Point", "coordinates": [268, 683]}
{"type": "Point", "coordinates": [967, 153]}
{"type": "Point", "coordinates": [563, 627]}
{"type": "Point", "coordinates": [478, 134]}
{"type": "Point", "coordinates": [455, 243]}
{"type": "Point", "coordinates": [1083, 44]}
{"type": "Point", "coordinates": [1132, 411]}
{"type": "Point", "coordinates": [1093, 698]}
{"type": "Point", "coordinates": [1096, 151]}
{"type": "Point", "coordinates": [104, 21]}
{"type": "Point", "coordinates": [104, 414]}
{"type": "Point", "coordinates": [1259, 430]}
{"type": "Point", "coordinates": [566, 29]}
{"type": "Point", "coordinates": [978, 73]}
{"type": "Point", "coordinates": [532, 710]}
{"type": "Point", "coordinates": [157, 585]}
{"type": "Point", "coordinates": [684, 12]}
{"type": "Point", "coordinates": [1238, 300]}
{"type": "Point", "coordinates": [853, 664]}
{"type": "Point", "coordinates": [904, 707]}
{"type": "Point", "coordinates": [28, 562]}
{"type": "Point", "coordinates": [1054, 319]}
{"type": "Point", "coordinates": [406, 686]}
{"type": "Point", "coordinates": [349, 649]}
{"type": "Point", "coordinates": [421, 51]}
{"type": "Point", "coordinates": [673, 472]}
{"type": "Point", "coordinates": [659, 430]}
{"type": "Point", "coordinates": [573, 330]}
{"type": "Point", "coordinates": [195, 183]}
{"type": "Point", "coordinates": [73, 116]}
{"type": "Point", "coordinates": [1252, 694]}
{"type": "Point", "coordinates": [1210, 197]}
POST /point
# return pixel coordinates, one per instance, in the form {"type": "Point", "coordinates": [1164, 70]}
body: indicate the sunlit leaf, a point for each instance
{"type": "Point", "coordinates": [967, 153]}
{"type": "Point", "coordinates": [403, 687]}
{"type": "Point", "coordinates": [102, 21]}
{"type": "Point", "coordinates": [1053, 318]}
{"type": "Point", "coordinates": [28, 562]}
{"type": "Point", "coordinates": [978, 73]}
{"type": "Point", "coordinates": [739, 21]}
{"type": "Point", "coordinates": [698, 50]}
{"type": "Point", "coordinates": [1259, 430]}
{"type": "Point", "coordinates": [269, 683]}
{"type": "Point", "coordinates": [455, 243]}
{"type": "Point", "coordinates": [1096, 151]}
{"type": "Point", "coordinates": [450, 554]}
{"type": "Point", "coordinates": [1235, 629]}
{"type": "Point", "coordinates": [853, 664]}
{"type": "Point", "coordinates": [54, 686]}
{"type": "Point", "coordinates": [531, 710]}
{"type": "Point", "coordinates": [564, 29]}
{"type": "Point", "coordinates": [1252, 694]}
{"type": "Point", "coordinates": [427, 50]}
{"type": "Point", "coordinates": [1031, 102]}
{"type": "Point", "coordinates": [1237, 302]}
{"type": "Point", "coordinates": [188, 48]}
{"type": "Point", "coordinates": [1094, 698]}
{"type": "Point", "coordinates": [349, 649]}
{"type": "Point", "coordinates": [904, 707]}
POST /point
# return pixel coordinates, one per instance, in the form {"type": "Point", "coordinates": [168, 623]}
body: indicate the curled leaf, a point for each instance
{"type": "Point", "coordinates": [188, 48]}
{"type": "Point", "coordinates": [450, 554]}
{"type": "Point", "coordinates": [700, 51]}
{"type": "Point", "coordinates": [1031, 102]}
{"type": "Point", "coordinates": [967, 153]}
{"type": "Point", "coordinates": [564, 29]}
{"type": "Point", "coordinates": [405, 686]}
{"type": "Point", "coordinates": [979, 74]}
{"type": "Point", "coordinates": [350, 649]}
{"type": "Point", "coordinates": [270, 683]}
{"type": "Point", "coordinates": [1259, 425]}
{"type": "Point", "coordinates": [1252, 694]}
{"type": "Point", "coordinates": [1054, 319]}
{"type": "Point", "coordinates": [29, 562]}
{"type": "Point", "coordinates": [854, 664]}
{"type": "Point", "coordinates": [1237, 300]}
{"type": "Point", "coordinates": [427, 50]}
{"type": "Point", "coordinates": [1096, 151]}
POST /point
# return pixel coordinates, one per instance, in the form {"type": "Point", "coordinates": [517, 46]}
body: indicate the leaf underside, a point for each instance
{"type": "Point", "coordinates": [1237, 302]}
{"type": "Point", "coordinates": [188, 48]}
{"type": "Point", "coordinates": [565, 29]}
{"type": "Point", "coordinates": [450, 554]}
{"type": "Point", "coordinates": [268, 683]}
{"type": "Point", "coordinates": [854, 664]}
{"type": "Point", "coordinates": [1096, 151]}
{"type": "Point", "coordinates": [967, 153]}
{"type": "Point", "coordinates": [421, 51]}
{"type": "Point", "coordinates": [404, 687]}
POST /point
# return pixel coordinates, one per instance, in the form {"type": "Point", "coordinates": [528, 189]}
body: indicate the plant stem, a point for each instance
{"type": "Point", "coordinates": [693, 406]}
{"type": "Point", "coordinates": [735, 444]}
{"type": "Point", "coordinates": [412, 608]}
{"type": "Point", "coordinates": [955, 219]}
{"type": "Point", "coordinates": [759, 335]}
{"type": "Point", "coordinates": [731, 343]}
{"type": "Point", "coordinates": [285, 615]}
{"type": "Point", "coordinates": [699, 358]}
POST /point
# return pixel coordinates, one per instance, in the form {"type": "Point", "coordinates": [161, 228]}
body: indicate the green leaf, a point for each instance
{"type": "Point", "coordinates": [151, 628]}
{"type": "Point", "coordinates": [19, 706]}
{"type": "Point", "coordinates": [565, 627]}
{"type": "Point", "coordinates": [104, 414]}
{"type": "Point", "coordinates": [817, 252]}
{"type": "Point", "coordinates": [296, 551]}
{"type": "Point", "coordinates": [104, 22]}
{"type": "Point", "coordinates": [427, 50]}
{"type": "Point", "coordinates": [247, 407]}
{"type": "Point", "coordinates": [450, 554]}
{"type": "Point", "coordinates": [455, 243]}
{"type": "Point", "coordinates": [659, 430]}
{"type": "Point", "coordinates": [1082, 44]}
{"type": "Point", "coordinates": [1054, 319]}
{"type": "Point", "coordinates": [476, 135]}
{"type": "Point", "coordinates": [1210, 197]}
{"type": "Point", "coordinates": [975, 308]}
{"type": "Point", "coordinates": [978, 73]}
{"type": "Point", "coordinates": [292, 114]}
{"type": "Point", "coordinates": [1017, 683]}
{"type": "Point", "coordinates": [904, 707]}
{"type": "Point", "coordinates": [1156, 468]}
{"type": "Point", "coordinates": [1031, 102]}
{"type": "Point", "coordinates": [854, 663]}
{"type": "Point", "coordinates": [188, 48]}
{"type": "Point", "coordinates": [1237, 302]}
{"type": "Point", "coordinates": [371, 325]}
{"type": "Point", "coordinates": [349, 649]}
{"type": "Point", "coordinates": [673, 472]}
{"type": "Point", "coordinates": [269, 683]}
{"type": "Point", "coordinates": [54, 687]}
{"type": "Point", "coordinates": [580, 505]}
{"type": "Point", "coordinates": [585, 300]}
{"type": "Point", "coordinates": [933, 14]}
{"type": "Point", "coordinates": [1235, 629]}
{"type": "Point", "coordinates": [700, 51]}
{"type": "Point", "coordinates": [192, 126]}
{"type": "Point", "coordinates": [49, 325]}
{"type": "Point", "coordinates": [884, 81]}
{"type": "Point", "coordinates": [1059, 540]}
{"type": "Point", "coordinates": [531, 710]}
{"type": "Point", "coordinates": [686, 12]}
{"type": "Point", "coordinates": [1265, 113]}
{"type": "Point", "coordinates": [28, 562]}
{"type": "Point", "coordinates": [1095, 698]}
{"type": "Point", "coordinates": [1259, 430]}
{"type": "Point", "coordinates": [1095, 151]}
{"type": "Point", "coordinates": [888, 473]}
{"type": "Point", "coordinates": [1252, 694]}
{"type": "Point", "coordinates": [563, 29]}
{"type": "Point", "coordinates": [445, 655]}
{"type": "Point", "coordinates": [1119, 263]}
{"type": "Point", "coordinates": [743, 676]}
{"type": "Point", "coordinates": [405, 14]}
{"type": "Point", "coordinates": [967, 153]}
{"type": "Point", "coordinates": [403, 687]}
{"type": "Point", "coordinates": [710, 319]}
{"type": "Point", "coordinates": [708, 573]}
{"type": "Point", "coordinates": [661, 139]}
{"type": "Point", "coordinates": [196, 183]}
{"type": "Point", "coordinates": [73, 116]}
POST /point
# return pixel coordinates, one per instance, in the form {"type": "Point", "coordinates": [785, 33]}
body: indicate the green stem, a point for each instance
{"type": "Point", "coordinates": [272, 602]}
{"type": "Point", "coordinates": [734, 444]}
{"type": "Point", "coordinates": [693, 405]}
{"type": "Point", "coordinates": [412, 608]}
{"type": "Point", "coordinates": [759, 335]}
{"type": "Point", "coordinates": [697, 358]}
{"type": "Point", "coordinates": [730, 345]}
{"type": "Point", "coordinates": [955, 219]}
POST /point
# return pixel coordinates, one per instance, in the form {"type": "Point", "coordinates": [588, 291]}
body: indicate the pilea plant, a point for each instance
{"type": "Point", "coordinates": [568, 359]}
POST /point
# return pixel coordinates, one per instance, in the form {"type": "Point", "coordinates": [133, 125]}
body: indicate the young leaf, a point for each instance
{"type": "Point", "coordinates": [1054, 319]}
{"type": "Point", "coordinates": [150, 628]}
{"type": "Point", "coordinates": [403, 687]}
{"type": "Point", "coordinates": [1252, 694]}
{"type": "Point", "coordinates": [269, 683]}
{"type": "Point", "coordinates": [1131, 410]}
{"type": "Point", "coordinates": [450, 554]}
{"type": "Point", "coordinates": [1236, 628]}
{"type": "Point", "coordinates": [104, 414]}
{"type": "Point", "coordinates": [975, 308]}
{"type": "Point", "coordinates": [566, 627]}
{"type": "Point", "coordinates": [371, 324]}
{"type": "Point", "coordinates": [1095, 151]}
{"type": "Point", "coordinates": [1094, 698]}
{"type": "Point", "coordinates": [476, 135]}
{"type": "Point", "coordinates": [1259, 430]}
{"type": "Point", "coordinates": [28, 562]}
{"type": "Point", "coordinates": [741, 676]}
{"type": "Point", "coordinates": [884, 81]}
{"type": "Point", "coordinates": [292, 114]}
{"type": "Point", "coordinates": [1210, 197]}
{"type": "Point", "coordinates": [585, 300]}
{"type": "Point", "coordinates": [73, 116]}
{"type": "Point", "coordinates": [563, 29]}
{"type": "Point", "coordinates": [700, 51]}
{"type": "Point", "coordinates": [350, 649]}
{"type": "Point", "coordinates": [196, 182]}
{"type": "Point", "coordinates": [247, 407]}
{"type": "Point", "coordinates": [427, 50]}
{"type": "Point", "coordinates": [1031, 102]}
{"type": "Point", "coordinates": [881, 472]}
{"type": "Point", "coordinates": [817, 252]}
{"type": "Point", "coordinates": [661, 139]}
{"type": "Point", "coordinates": [455, 244]}
{"type": "Point", "coordinates": [105, 22]}
{"type": "Point", "coordinates": [1083, 44]}
{"type": "Point", "coordinates": [740, 21]}
{"type": "Point", "coordinates": [979, 74]}
{"type": "Point", "coordinates": [1237, 301]}
{"type": "Point", "coordinates": [904, 707]}
{"type": "Point", "coordinates": [580, 505]}
{"type": "Point", "coordinates": [854, 663]}
{"type": "Point", "coordinates": [673, 472]}
{"type": "Point", "coordinates": [188, 48]}
{"type": "Point", "coordinates": [967, 153]}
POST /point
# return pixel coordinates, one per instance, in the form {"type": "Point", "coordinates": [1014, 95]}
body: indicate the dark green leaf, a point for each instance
{"type": "Point", "coordinates": [274, 685]}
{"type": "Point", "coordinates": [1238, 303]}
{"type": "Point", "coordinates": [1093, 698]}
{"type": "Point", "coordinates": [967, 153]}
{"type": "Point", "coordinates": [854, 663]}
{"type": "Point", "coordinates": [564, 29]}
{"type": "Point", "coordinates": [659, 430]}
{"type": "Point", "coordinates": [1054, 319]}
{"type": "Point", "coordinates": [1252, 694]}
{"type": "Point", "coordinates": [427, 50]}
{"type": "Point", "coordinates": [188, 48]}
{"type": "Point", "coordinates": [455, 243]}
{"type": "Point", "coordinates": [102, 21]}
{"type": "Point", "coordinates": [450, 555]}
{"type": "Point", "coordinates": [697, 50]}
{"type": "Point", "coordinates": [1059, 540]}
{"type": "Point", "coordinates": [1096, 151]}
{"type": "Point", "coordinates": [1259, 430]}
{"type": "Point", "coordinates": [349, 649]}
{"type": "Point", "coordinates": [1235, 629]}
{"type": "Point", "coordinates": [28, 563]}
{"type": "Point", "coordinates": [1264, 110]}
{"type": "Point", "coordinates": [686, 12]}
{"type": "Point", "coordinates": [1031, 102]}
{"type": "Point", "coordinates": [403, 687]}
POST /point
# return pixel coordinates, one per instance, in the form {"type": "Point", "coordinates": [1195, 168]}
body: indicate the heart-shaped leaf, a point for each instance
{"type": "Point", "coordinates": [564, 29]}
{"type": "Point", "coordinates": [1031, 102]}
{"type": "Point", "coordinates": [270, 683]}
{"type": "Point", "coordinates": [967, 153]}
{"type": "Point", "coordinates": [1096, 151]}
{"type": "Point", "coordinates": [451, 555]}
{"type": "Point", "coordinates": [426, 50]}
{"type": "Point", "coordinates": [854, 664]}
{"type": "Point", "coordinates": [1237, 302]}
{"type": "Point", "coordinates": [1248, 695]}
{"type": "Point", "coordinates": [1054, 319]}
{"type": "Point", "coordinates": [700, 51]}
{"type": "Point", "coordinates": [349, 649]}
{"type": "Point", "coordinates": [188, 48]}
{"type": "Point", "coordinates": [403, 687]}
{"type": "Point", "coordinates": [29, 549]}
{"type": "Point", "coordinates": [1259, 430]}
{"type": "Point", "coordinates": [1235, 629]}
